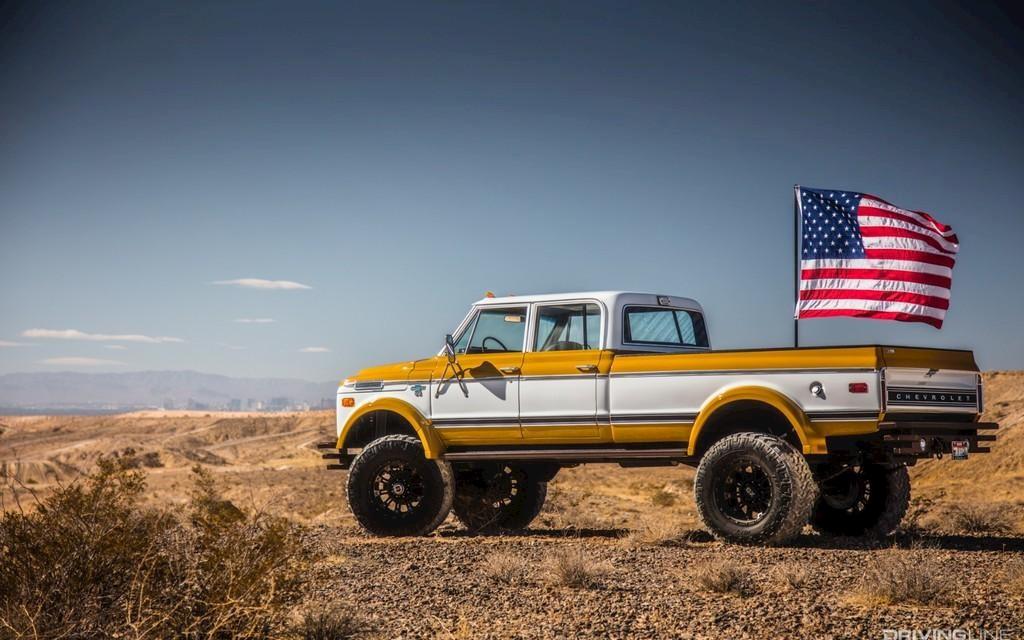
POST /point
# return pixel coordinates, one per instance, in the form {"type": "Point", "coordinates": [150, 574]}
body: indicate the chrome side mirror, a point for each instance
{"type": "Point", "coordinates": [449, 348]}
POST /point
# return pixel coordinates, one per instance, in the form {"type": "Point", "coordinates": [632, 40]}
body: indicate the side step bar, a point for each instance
{"type": "Point", "coordinates": [578, 455]}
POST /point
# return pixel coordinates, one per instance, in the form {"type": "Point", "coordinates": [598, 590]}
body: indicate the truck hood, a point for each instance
{"type": "Point", "coordinates": [395, 370]}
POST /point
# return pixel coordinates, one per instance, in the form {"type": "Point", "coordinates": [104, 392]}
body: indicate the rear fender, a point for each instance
{"type": "Point", "coordinates": [772, 397]}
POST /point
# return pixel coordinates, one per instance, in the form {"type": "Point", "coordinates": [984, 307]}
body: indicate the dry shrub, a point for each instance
{"type": "Point", "coordinates": [506, 568]}
{"type": "Point", "coordinates": [461, 630]}
{"type": "Point", "coordinates": [724, 577]}
{"type": "Point", "coordinates": [982, 518]}
{"type": "Point", "coordinates": [1014, 577]}
{"type": "Point", "coordinates": [895, 577]}
{"type": "Point", "coordinates": [654, 532]}
{"type": "Point", "coordinates": [576, 568]}
{"type": "Point", "coordinates": [90, 562]}
{"type": "Point", "coordinates": [331, 624]}
{"type": "Point", "coordinates": [663, 498]}
{"type": "Point", "coordinates": [792, 576]}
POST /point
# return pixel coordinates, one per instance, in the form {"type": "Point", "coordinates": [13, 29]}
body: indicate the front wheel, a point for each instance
{"type": "Point", "coordinates": [497, 497]}
{"type": "Point", "coordinates": [393, 490]}
{"type": "Point", "coordinates": [868, 500]}
{"type": "Point", "coordinates": [754, 488]}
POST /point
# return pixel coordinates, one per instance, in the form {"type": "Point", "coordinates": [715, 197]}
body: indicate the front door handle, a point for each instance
{"type": "Point", "coordinates": [509, 370]}
{"type": "Point", "coordinates": [587, 368]}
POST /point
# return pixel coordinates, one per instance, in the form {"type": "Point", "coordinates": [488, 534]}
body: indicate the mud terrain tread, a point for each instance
{"type": "Point", "coordinates": [797, 489]}
{"type": "Point", "coordinates": [897, 501]}
{"type": "Point", "coordinates": [411, 447]}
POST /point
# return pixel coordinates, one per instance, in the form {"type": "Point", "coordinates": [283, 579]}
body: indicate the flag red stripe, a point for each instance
{"type": "Point", "coordinates": [865, 294]}
{"type": "Point", "coordinates": [891, 232]}
{"type": "Point", "coordinates": [877, 274]}
{"type": "Point", "coordinates": [928, 216]}
{"type": "Point", "coordinates": [876, 315]}
{"type": "Point", "coordinates": [907, 254]}
{"type": "Point", "coordinates": [882, 213]}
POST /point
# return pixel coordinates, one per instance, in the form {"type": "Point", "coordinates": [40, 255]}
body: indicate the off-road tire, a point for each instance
{"type": "Point", "coordinates": [875, 510]}
{"type": "Point", "coordinates": [480, 510]}
{"type": "Point", "coordinates": [432, 480]}
{"type": "Point", "coordinates": [779, 467]}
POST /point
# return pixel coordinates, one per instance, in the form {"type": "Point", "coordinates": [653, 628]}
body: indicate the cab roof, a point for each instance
{"type": "Point", "coordinates": [611, 299]}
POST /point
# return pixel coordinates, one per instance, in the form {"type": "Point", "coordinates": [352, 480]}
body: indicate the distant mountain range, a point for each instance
{"type": "Point", "coordinates": [140, 389]}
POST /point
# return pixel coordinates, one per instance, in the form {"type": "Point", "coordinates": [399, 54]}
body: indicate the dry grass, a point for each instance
{"type": "Point", "coordinates": [1013, 576]}
{"type": "Point", "coordinates": [655, 532]}
{"type": "Point", "coordinates": [330, 624]}
{"type": "Point", "coordinates": [506, 568]}
{"type": "Point", "coordinates": [897, 577]}
{"type": "Point", "coordinates": [663, 498]}
{"type": "Point", "coordinates": [792, 576]}
{"type": "Point", "coordinates": [87, 561]}
{"type": "Point", "coordinates": [576, 568]}
{"type": "Point", "coordinates": [980, 518]}
{"type": "Point", "coordinates": [724, 576]}
{"type": "Point", "coordinates": [460, 630]}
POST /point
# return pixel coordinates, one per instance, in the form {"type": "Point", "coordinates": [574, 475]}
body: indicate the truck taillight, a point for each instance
{"type": "Point", "coordinates": [858, 387]}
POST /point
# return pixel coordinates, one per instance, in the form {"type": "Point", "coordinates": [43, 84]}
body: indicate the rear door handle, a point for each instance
{"type": "Point", "coordinates": [587, 368]}
{"type": "Point", "coordinates": [509, 370]}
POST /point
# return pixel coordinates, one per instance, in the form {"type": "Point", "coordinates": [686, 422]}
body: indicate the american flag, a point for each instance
{"type": "Point", "coordinates": [861, 256]}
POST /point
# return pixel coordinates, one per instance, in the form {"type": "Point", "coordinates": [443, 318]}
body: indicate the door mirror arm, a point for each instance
{"type": "Point", "coordinates": [453, 363]}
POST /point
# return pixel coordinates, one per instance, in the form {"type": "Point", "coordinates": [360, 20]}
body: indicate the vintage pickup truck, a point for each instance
{"type": "Point", "coordinates": [526, 385]}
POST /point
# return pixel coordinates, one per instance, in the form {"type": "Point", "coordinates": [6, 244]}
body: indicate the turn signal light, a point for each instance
{"type": "Point", "coordinates": [351, 402]}
{"type": "Point", "coordinates": [858, 387]}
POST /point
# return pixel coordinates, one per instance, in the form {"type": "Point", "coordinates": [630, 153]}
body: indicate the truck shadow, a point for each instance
{"type": "Point", "coordinates": [568, 532]}
{"type": "Point", "coordinates": [945, 542]}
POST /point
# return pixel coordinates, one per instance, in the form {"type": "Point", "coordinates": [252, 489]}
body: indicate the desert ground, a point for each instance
{"type": "Point", "coordinates": [616, 553]}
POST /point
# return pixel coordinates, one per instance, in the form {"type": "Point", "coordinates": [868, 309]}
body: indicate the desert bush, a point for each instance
{"type": "Point", "coordinates": [1013, 577]}
{"type": "Point", "coordinates": [575, 568]}
{"type": "Point", "coordinates": [898, 577]}
{"type": "Point", "coordinates": [654, 532]}
{"type": "Point", "coordinates": [663, 498]}
{"type": "Point", "coordinates": [981, 518]}
{"type": "Point", "coordinates": [89, 562]}
{"type": "Point", "coordinates": [723, 577]}
{"type": "Point", "coordinates": [331, 624]}
{"type": "Point", "coordinates": [506, 568]}
{"type": "Point", "coordinates": [792, 576]}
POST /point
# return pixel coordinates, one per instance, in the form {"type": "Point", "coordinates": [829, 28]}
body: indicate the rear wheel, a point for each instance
{"type": "Point", "coordinates": [393, 490]}
{"type": "Point", "coordinates": [497, 497]}
{"type": "Point", "coordinates": [754, 488]}
{"type": "Point", "coordinates": [868, 500]}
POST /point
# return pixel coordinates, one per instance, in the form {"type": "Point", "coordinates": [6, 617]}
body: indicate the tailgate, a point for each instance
{"type": "Point", "coordinates": [930, 381]}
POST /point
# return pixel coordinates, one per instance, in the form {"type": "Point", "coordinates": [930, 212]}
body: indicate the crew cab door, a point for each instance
{"type": "Point", "coordinates": [558, 389]}
{"type": "Point", "coordinates": [490, 354]}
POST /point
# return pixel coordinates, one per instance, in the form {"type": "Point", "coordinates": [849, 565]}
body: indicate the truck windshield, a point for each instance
{"type": "Point", "coordinates": [494, 331]}
{"type": "Point", "coordinates": [664, 327]}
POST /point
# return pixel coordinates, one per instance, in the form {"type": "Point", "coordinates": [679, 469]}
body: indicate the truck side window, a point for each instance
{"type": "Point", "coordinates": [498, 331]}
{"type": "Point", "coordinates": [568, 327]}
{"type": "Point", "coordinates": [664, 327]}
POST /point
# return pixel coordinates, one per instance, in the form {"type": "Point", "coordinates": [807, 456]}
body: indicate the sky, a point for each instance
{"type": "Point", "coordinates": [304, 189]}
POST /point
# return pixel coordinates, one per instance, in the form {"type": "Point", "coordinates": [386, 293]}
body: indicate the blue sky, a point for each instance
{"type": "Point", "coordinates": [400, 159]}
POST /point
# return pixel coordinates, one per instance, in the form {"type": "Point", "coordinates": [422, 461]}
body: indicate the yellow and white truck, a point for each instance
{"type": "Point", "coordinates": [526, 385]}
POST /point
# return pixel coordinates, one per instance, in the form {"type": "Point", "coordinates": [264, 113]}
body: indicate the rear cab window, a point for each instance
{"type": "Point", "coordinates": [567, 327]}
{"type": "Point", "coordinates": [663, 327]}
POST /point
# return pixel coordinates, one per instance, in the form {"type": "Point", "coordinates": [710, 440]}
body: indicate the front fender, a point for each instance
{"type": "Point", "coordinates": [432, 445]}
{"type": "Point", "coordinates": [772, 397]}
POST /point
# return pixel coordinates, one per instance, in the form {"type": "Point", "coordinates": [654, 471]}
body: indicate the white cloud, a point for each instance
{"type": "Point", "coordinates": [255, 320]}
{"type": "Point", "coordinates": [8, 343]}
{"type": "Point", "coordinates": [258, 283]}
{"type": "Point", "coordinates": [314, 350]}
{"type": "Point", "coordinates": [75, 334]}
{"type": "Point", "coordinates": [119, 347]}
{"type": "Point", "coordinates": [81, 362]}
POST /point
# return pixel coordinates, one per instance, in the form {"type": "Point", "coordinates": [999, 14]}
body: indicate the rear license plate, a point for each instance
{"type": "Point", "coordinates": [960, 449]}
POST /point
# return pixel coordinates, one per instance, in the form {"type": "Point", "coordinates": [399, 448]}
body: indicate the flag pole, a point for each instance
{"type": "Point", "coordinates": [796, 265]}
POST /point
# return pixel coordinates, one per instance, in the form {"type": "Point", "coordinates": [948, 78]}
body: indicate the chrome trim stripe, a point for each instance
{"type": "Point", "coordinates": [841, 415]}
{"type": "Point", "coordinates": [653, 417]}
{"type": "Point", "coordinates": [736, 372]}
